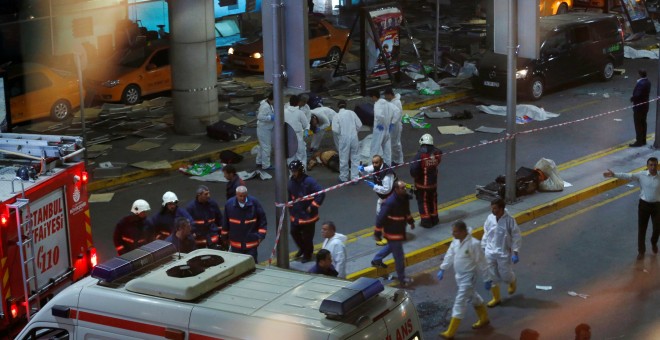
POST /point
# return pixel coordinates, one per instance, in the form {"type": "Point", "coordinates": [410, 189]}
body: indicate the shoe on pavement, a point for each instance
{"type": "Point", "coordinates": [636, 145]}
{"type": "Point", "coordinates": [305, 259]}
{"type": "Point", "coordinates": [640, 256]}
{"type": "Point", "coordinates": [407, 281]}
{"type": "Point", "coordinates": [655, 248]}
{"type": "Point", "coordinates": [298, 255]}
{"type": "Point", "coordinates": [378, 264]}
{"type": "Point", "coordinates": [341, 180]}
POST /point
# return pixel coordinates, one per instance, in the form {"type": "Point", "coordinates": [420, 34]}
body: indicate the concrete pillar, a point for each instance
{"type": "Point", "coordinates": [192, 55]}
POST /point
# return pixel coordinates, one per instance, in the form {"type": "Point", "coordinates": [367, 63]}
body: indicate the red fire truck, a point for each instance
{"type": "Point", "coordinates": [45, 232]}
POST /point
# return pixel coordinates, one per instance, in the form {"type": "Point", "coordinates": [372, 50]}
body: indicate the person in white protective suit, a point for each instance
{"type": "Point", "coordinates": [383, 114]}
{"type": "Point", "coordinates": [396, 126]}
{"type": "Point", "coordinates": [265, 124]}
{"type": "Point", "coordinates": [501, 243]}
{"type": "Point", "coordinates": [303, 106]}
{"type": "Point", "coordinates": [300, 124]}
{"type": "Point", "coordinates": [329, 114]}
{"type": "Point", "coordinates": [345, 127]}
{"type": "Point", "coordinates": [467, 258]}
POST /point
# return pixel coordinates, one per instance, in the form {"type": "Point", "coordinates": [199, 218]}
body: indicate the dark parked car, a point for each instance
{"type": "Point", "coordinates": [573, 46]}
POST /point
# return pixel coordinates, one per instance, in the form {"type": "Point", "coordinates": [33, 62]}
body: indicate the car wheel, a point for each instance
{"type": "Point", "coordinates": [607, 72]}
{"type": "Point", "coordinates": [562, 9]}
{"type": "Point", "coordinates": [333, 54]}
{"type": "Point", "coordinates": [536, 88]}
{"type": "Point", "coordinates": [61, 110]}
{"type": "Point", "coordinates": [131, 95]}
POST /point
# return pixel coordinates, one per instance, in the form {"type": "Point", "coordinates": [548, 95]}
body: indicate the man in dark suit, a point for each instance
{"type": "Point", "coordinates": [640, 100]}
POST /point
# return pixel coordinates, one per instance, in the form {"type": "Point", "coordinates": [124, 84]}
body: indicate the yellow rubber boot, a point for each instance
{"type": "Point", "coordinates": [451, 330]}
{"type": "Point", "coordinates": [483, 317]}
{"type": "Point", "coordinates": [512, 287]}
{"type": "Point", "coordinates": [496, 296]}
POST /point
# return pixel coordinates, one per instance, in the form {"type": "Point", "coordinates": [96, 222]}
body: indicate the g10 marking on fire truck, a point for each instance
{"type": "Point", "coordinates": [49, 235]}
{"type": "Point", "coordinates": [405, 332]}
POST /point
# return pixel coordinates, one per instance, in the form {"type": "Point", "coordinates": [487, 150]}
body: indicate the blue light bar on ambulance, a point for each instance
{"type": "Point", "coordinates": [132, 261]}
{"type": "Point", "coordinates": [350, 297]}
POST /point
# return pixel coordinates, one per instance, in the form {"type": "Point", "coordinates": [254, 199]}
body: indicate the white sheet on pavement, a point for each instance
{"type": "Point", "coordinates": [522, 110]}
{"type": "Point", "coordinates": [218, 176]}
{"type": "Point", "coordinates": [631, 53]}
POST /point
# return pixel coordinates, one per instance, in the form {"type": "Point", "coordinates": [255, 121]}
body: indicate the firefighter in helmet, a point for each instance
{"type": "Point", "coordinates": [131, 231]}
{"type": "Point", "coordinates": [424, 170]}
{"type": "Point", "coordinates": [162, 223]}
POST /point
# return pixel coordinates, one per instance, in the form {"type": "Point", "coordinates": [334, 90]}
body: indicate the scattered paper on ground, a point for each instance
{"type": "Point", "coordinates": [524, 112]}
{"type": "Point", "coordinates": [631, 53]}
{"type": "Point", "coordinates": [235, 121]}
{"type": "Point", "coordinates": [566, 184]}
{"type": "Point", "coordinates": [99, 147]}
{"type": "Point", "coordinates": [185, 146]}
{"type": "Point", "coordinates": [149, 165]}
{"type": "Point", "coordinates": [572, 293]}
{"type": "Point", "coordinates": [142, 146]}
{"type": "Point", "coordinates": [437, 114]}
{"type": "Point", "coordinates": [219, 176]}
{"type": "Point", "coordinates": [243, 138]}
{"type": "Point", "coordinates": [410, 113]}
{"type": "Point", "coordinates": [454, 130]}
{"type": "Point", "coordinates": [487, 129]}
{"type": "Point", "coordinates": [100, 198]}
{"type": "Point", "coordinates": [543, 287]}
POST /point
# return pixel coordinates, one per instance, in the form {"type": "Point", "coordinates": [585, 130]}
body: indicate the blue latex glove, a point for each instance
{"type": "Point", "coordinates": [488, 284]}
{"type": "Point", "coordinates": [317, 130]}
{"type": "Point", "coordinates": [515, 259]}
{"type": "Point", "coordinates": [370, 183]}
{"type": "Point", "coordinates": [272, 118]}
{"type": "Point", "coordinates": [361, 168]}
{"type": "Point", "coordinates": [441, 274]}
{"type": "Point", "coordinates": [380, 128]}
{"type": "Point", "coordinates": [306, 133]}
{"type": "Point", "coordinates": [391, 127]}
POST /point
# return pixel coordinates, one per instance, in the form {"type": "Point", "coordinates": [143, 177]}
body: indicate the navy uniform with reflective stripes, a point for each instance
{"type": "Point", "coordinates": [162, 223]}
{"type": "Point", "coordinates": [391, 223]}
{"type": "Point", "coordinates": [207, 220]}
{"type": "Point", "coordinates": [424, 170]}
{"type": "Point", "coordinates": [245, 227]}
{"type": "Point", "coordinates": [303, 223]}
{"type": "Point", "coordinates": [131, 233]}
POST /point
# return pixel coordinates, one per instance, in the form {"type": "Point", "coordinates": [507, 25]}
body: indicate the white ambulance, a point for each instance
{"type": "Point", "coordinates": [155, 293]}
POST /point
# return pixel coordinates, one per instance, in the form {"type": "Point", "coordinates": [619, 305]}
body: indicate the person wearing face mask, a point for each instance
{"type": "Point", "coordinates": [244, 224]}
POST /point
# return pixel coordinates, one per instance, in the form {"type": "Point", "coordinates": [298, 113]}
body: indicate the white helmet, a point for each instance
{"type": "Point", "coordinates": [426, 139]}
{"type": "Point", "coordinates": [140, 206]}
{"type": "Point", "coordinates": [169, 197]}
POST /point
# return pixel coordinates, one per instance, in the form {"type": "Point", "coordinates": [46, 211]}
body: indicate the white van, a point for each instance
{"type": "Point", "coordinates": [155, 293]}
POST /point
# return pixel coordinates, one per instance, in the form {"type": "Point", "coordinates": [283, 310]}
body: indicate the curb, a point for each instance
{"type": "Point", "coordinates": [141, 174]}
{"type": "Point", "coordinates": [441, 247]}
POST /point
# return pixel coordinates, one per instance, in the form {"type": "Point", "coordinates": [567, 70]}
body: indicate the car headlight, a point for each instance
{"type": "Point", "coordinates": [522, 74]}
{"type": "Point", "coordinates": [110, 83]}
{"type": "Point", "coordinates": [256, 55]}
{"type": "Point", "coordinates": [230, 51]}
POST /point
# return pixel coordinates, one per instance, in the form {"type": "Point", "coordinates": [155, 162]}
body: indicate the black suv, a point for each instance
{"type": "Point", "coordinates": [573, 46]}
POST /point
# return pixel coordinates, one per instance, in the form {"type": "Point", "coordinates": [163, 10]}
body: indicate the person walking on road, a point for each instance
{"type": "Point", "coordinates": [182, 237]}
{"type": "Point", "coordinates": [324, 264]}
{"type": "Point", "coordinates": [207, 218]}
{"type": "Point", "coordinates": [467, 258]}
{"type": "Point", "coordinates": [300, 125]}
{"type": "Point", "coordinates": [396, 127]}
{"type": "Point", "coordinates": [265, 124]}
{"type": "Point", "coordinates": [384, 112]}
{"type": "Point", "coordinates": [649, 203]}
{"type": "Point", "coordinates": [501, 242]}
{"type": "Point", "coordinates": [640, 100]}
{"type": "Point", "coordinates": [382, 180]}
{"type": "Point", "coordinates": [234, 181]}
{"type": "Point", "coordinates": [162, 223]}
{"type": "Point", "coordinates": [336, 244]}
{"type": "Point", "coordinates": [424, 170]}
{"type": "Point", "coordinates": [391, 225]}
{"type": "Point", "coordinates": [345, 127]}
{"type": "Point", "coordinates": [131, 232]}
{"type": "Point", "coordinates": [305, 213]}
{"type": "Point", "coordinates": [244, 225]}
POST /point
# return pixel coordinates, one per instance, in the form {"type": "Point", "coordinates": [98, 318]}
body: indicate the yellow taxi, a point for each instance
{"type": "Point", "coordinates": [553, 7]}
{"type": "Point", "coordinates": [141, 71]}
{"type": "Point", "coordinates": [325, 42]}
{"type": "Point", "coordinates": [37, 91]}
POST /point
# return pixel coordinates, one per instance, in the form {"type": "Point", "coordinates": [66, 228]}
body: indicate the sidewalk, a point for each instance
{"type": "Point", "coordinates": [584, 174]}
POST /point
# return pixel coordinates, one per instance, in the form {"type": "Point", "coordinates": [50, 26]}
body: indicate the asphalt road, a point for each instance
{"type": "Point", "coordinates": [353, 207]}
{"type": "Point", "coordinates": [589, 248]}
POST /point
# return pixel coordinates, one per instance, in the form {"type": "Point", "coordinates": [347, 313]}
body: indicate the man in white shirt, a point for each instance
{"type": "Point", "coordinates": [467, 258]}
{"type": "Point", "coordinates": [265, 124]}
{"type": "Point", "coordinates": [649, 203]}
{"type": "Point", "coordinates": [335, 243]}
{"type": "Point", "coordinates": [300, 124]}
{"type": "Point", "coordinates": [501, 242]}
{"type": "Point", "coordinates": [345, 127]}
